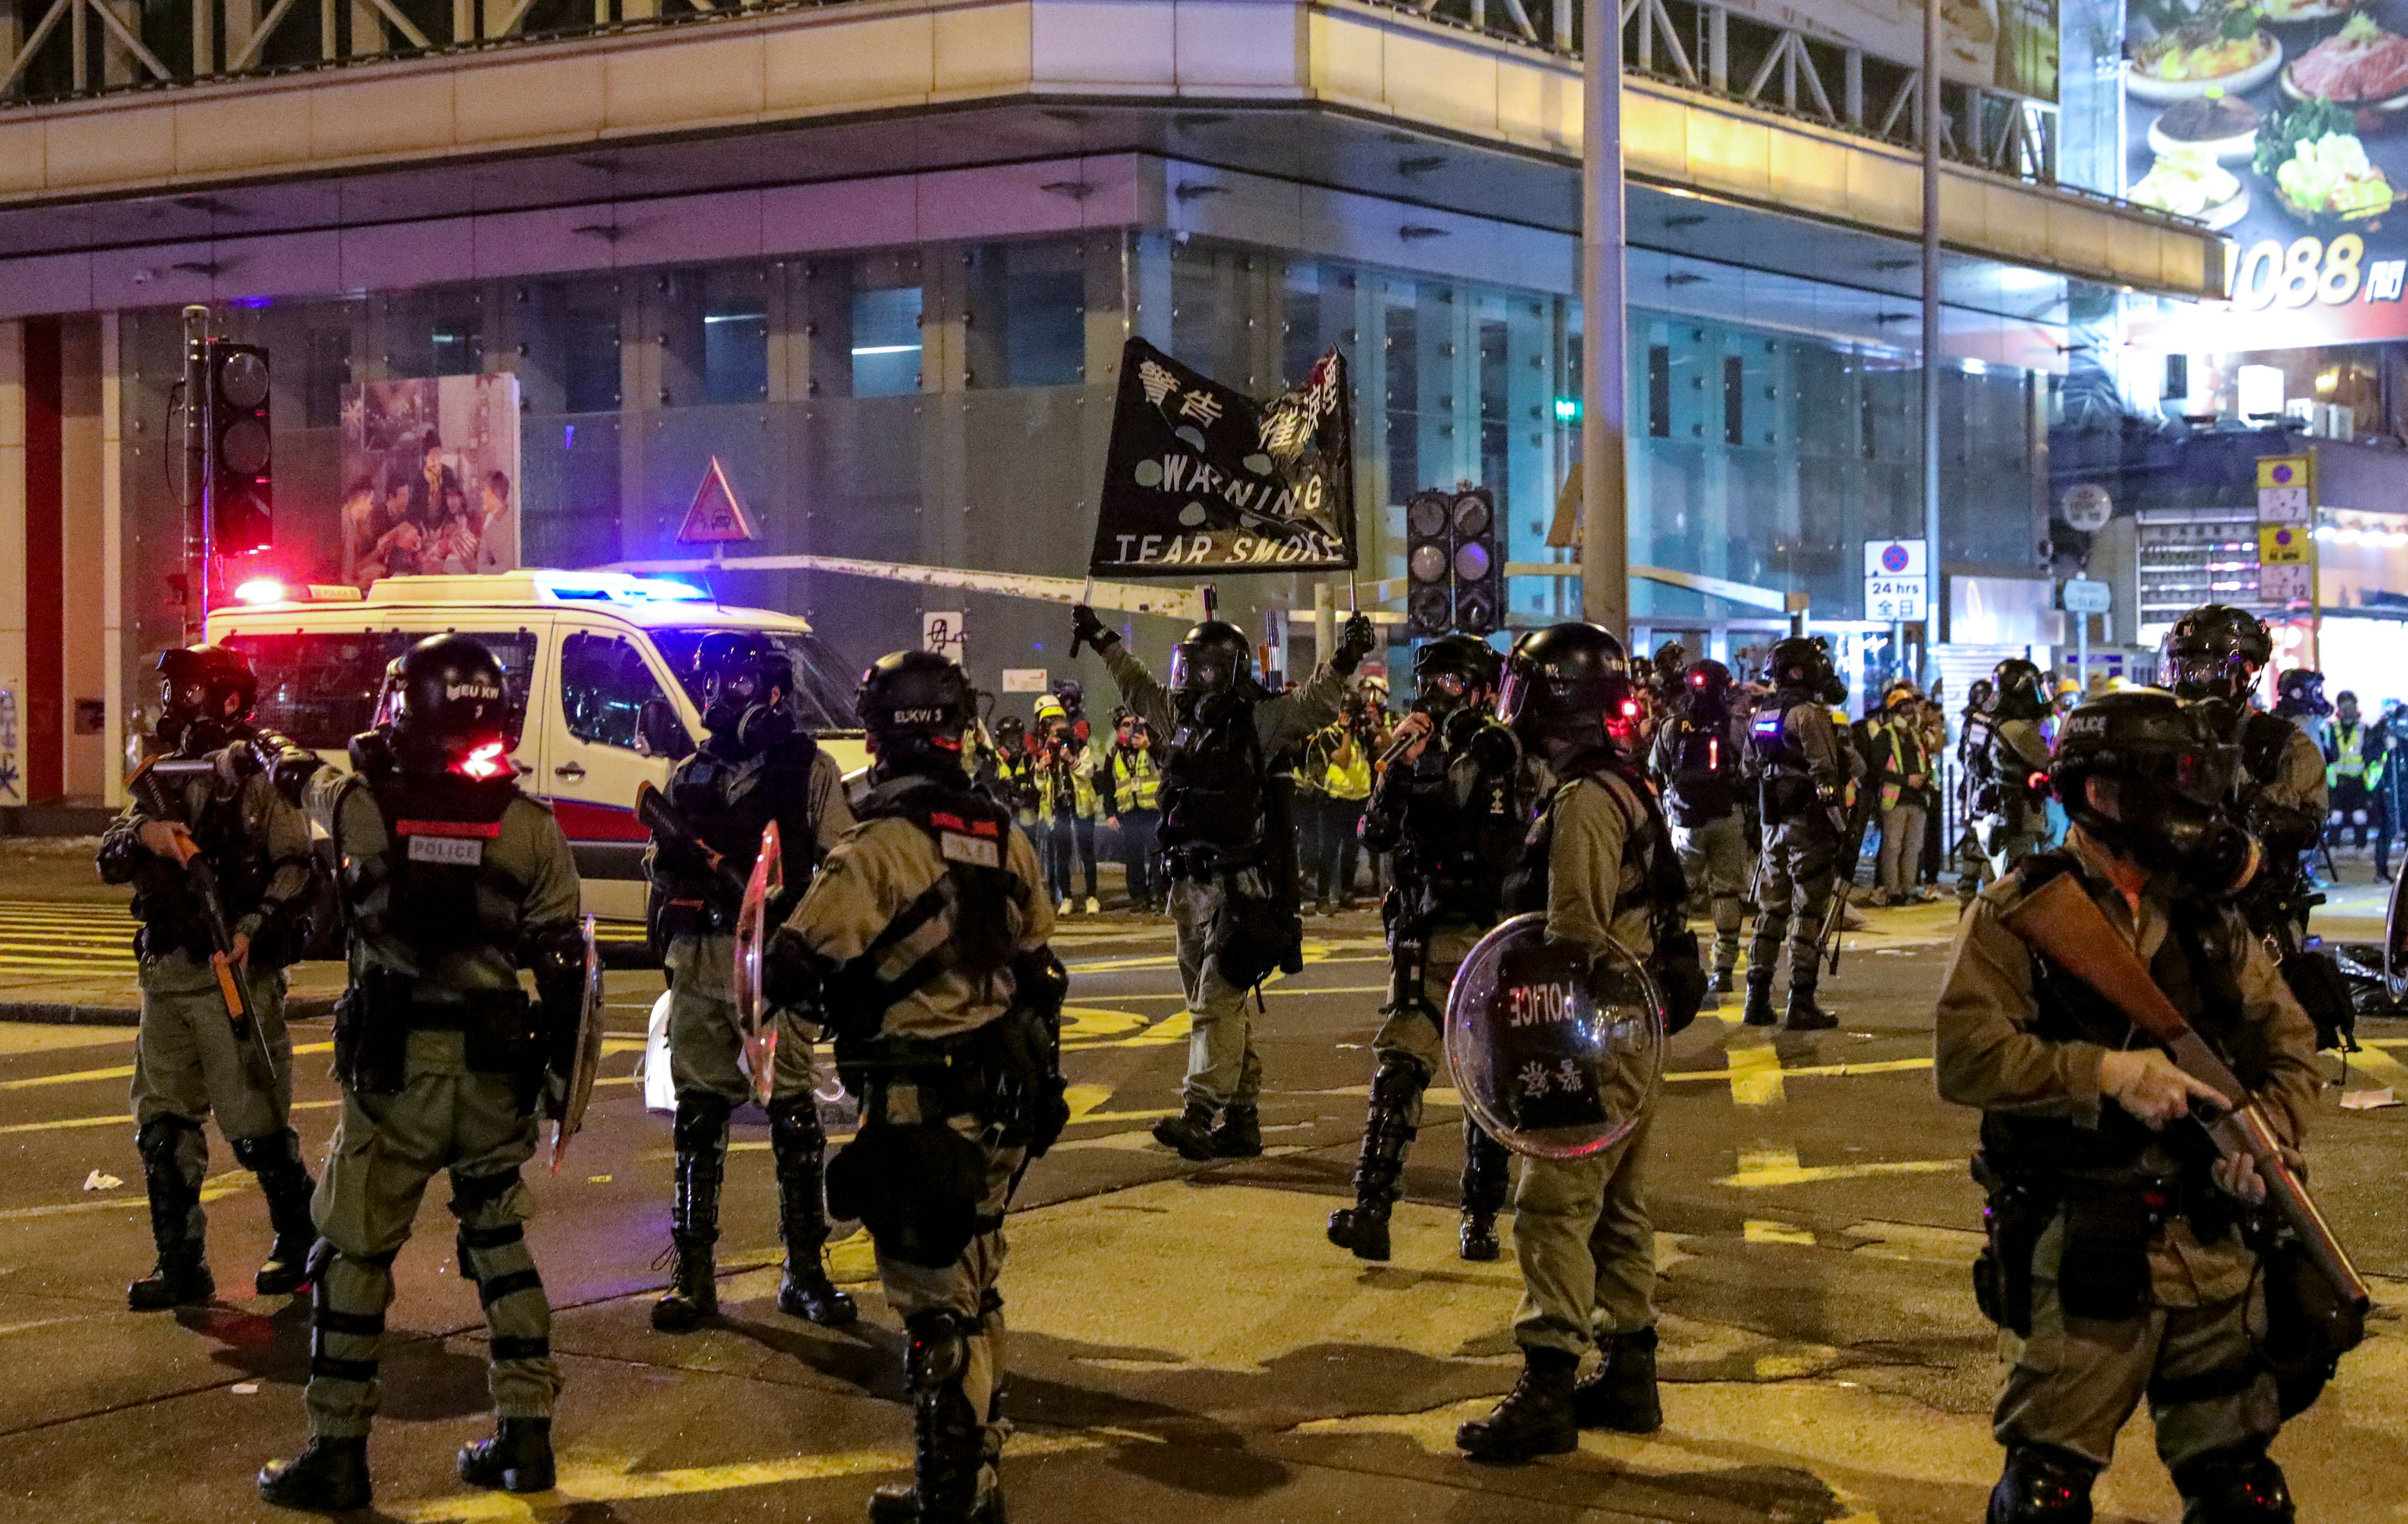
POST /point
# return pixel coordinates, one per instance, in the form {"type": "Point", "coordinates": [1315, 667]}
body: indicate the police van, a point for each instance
{"type": "Point", "coordinates": [599, 666]}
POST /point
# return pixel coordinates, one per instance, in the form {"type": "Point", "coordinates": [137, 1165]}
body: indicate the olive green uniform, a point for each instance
{"type": "Point", "coordinates": [877, 870]}
{"type": "Point", "coordinates": [1581, 1229]}
{"type": "Point", "coordinates": [2187, 1347]}
{"type": "Point", "coordinates": [1801, 849]}
{"type": "Point", "coordinates": [2020, 827]}
{"type": "Point", "coordinates": [446, 1116]}
{"type": "Point", "coordinates": [1222, 1069]}
{"type": "Point", "coordinates": [188, 1062]}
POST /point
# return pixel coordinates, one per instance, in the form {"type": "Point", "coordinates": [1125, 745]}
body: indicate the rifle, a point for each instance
{"type": "Point", "coordinates": [160, 785]}
{"type": "Point", "coordinates": [1851, 835]}
{"type": "Point", "coordinates": [2061, 922]}
{"type": "Point", "coordinates": [661, 817]}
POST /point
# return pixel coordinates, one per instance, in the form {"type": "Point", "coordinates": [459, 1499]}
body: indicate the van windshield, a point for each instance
{"type": "Point", "coordinates": [824, 681]}
{"type": "Point", "coordinates": [320, 690]}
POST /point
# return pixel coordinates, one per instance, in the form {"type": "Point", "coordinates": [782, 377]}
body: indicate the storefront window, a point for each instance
{"type": "Point", "coordinates": [886, 341]}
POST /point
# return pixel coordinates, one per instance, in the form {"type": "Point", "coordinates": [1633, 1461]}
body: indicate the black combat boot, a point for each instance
{"type": "Point", "coordinates": [182, 1275]}
{"type": "Point", "coordinates": [330, 1475]}
{"type": "Point", "coordinates": [1719, 982]}
{"type": "Point", "coordinates": [949, 1460]}
{"type": "Point", "coordinates": [284, 1180]}
{"type": "Point", "coordinates": [800, 1147]}
{"type": "Point", "coordinates": [1803, 1015]}
{"type": "Point", "coordinates": [1363, 1227]}
{"type": "Point", "coordinates": [2238, 1486]}
{"type": "Point", "coordinates": [517, 1459]}
{"type": "Point", "coordinates": [1759, 1012]}
{"type": "Point", "coordinates": [1189, 1134]}
{"type": "Point", "coordinates": [1487, 1176]}
{"type": "Point", "coordinates": [1534, 1420]}
{"type": "Point", "coordinates": [2042, 1486]}
{"type": "Point", "coordinates": [1240, 1135]}
{"type": "Point", "coordinates": [692, 1296]}
{"type": "Point", "coordinates": [1621, 1396]}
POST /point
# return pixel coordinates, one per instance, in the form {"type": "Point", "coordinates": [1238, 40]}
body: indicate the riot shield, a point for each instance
{"type": "Point", "coordinates": [754, 1016]}
{"type": "Point", "coordinates": [585, 1060]}
{"type": "Point", "coordinates": [1557, 1056]}
{"type": "Point", "coordinates": [2395, 941]}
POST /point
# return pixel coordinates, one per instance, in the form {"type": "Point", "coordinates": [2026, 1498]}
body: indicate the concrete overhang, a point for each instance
{"type": "Point", "coordinates": [1335, 93]}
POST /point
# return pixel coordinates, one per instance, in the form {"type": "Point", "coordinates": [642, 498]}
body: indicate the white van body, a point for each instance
{"type": "Point", "coordinates": [584, 652]}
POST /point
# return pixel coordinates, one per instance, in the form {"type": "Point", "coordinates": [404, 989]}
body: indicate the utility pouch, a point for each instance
{"type": "Point", "coordinates": [2014, 1215]}
{"type": "Point", "coordinates": [372, 1033]}
{"type": "Point", "coordinates": [2104, 1271]}
{"type": "Point", "coordinates": [1680, 977]}
{"type": "Point", "coordinates": [498, 1036]}
{"type": "Point", "coordinates": [2308, 1329]}
{"type": "Point", "coordinates": [1252, 936]}
{"type": "Point", "coordinates": [915, 1188]}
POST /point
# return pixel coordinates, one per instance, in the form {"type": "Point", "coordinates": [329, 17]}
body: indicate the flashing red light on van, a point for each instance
{"type": "Point", "coordinates": [260, 590]}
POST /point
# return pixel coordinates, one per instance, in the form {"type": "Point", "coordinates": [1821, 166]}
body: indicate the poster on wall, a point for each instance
{"type": "Point", "coordinates": [431, 477]}
{"type": "Point", "coordinates": [2007, 46]}
{"type": "Point", "coordinates": [2278, 126]}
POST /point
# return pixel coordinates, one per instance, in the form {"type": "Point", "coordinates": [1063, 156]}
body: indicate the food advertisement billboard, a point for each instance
{"type": "Point", "coordinates": [2279, 125]}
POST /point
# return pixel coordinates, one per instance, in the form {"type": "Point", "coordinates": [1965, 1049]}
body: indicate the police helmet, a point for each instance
{"type": "Point", "coordinates": [2215, 651]}
{"type": "Point", "coordinates": [1073, 695]}
{"type": "Point", "coordinates": [1564, 680]}
{"type": "Point", "coordinates": [2301, 691]}
{"type": "Point", "coordinates": [2165, 780]}
{"type": "Point", "coordinates": [2019, 689]}
{"type": "Point", "coordinates": [1008, 731]}
{"type": "Point", "coordinates": [914, 700]}
{"type": "Point", "coordinates": [1797, 662]}
{"type": "Point", "coordinates": [194, 686]}
{"type": "Point", "coordinates": [1979, 695]}
{"type": "Point", "coordinates": [1707, 681]}
{"type": "Point", "coordinates": [449, 709]}
{"type": "Point", "coordinates": [1453, 665]}
{"type": "Point", "coordinates": [1213, 658]}
{"type": "Point", "coordinates": [723, 658]}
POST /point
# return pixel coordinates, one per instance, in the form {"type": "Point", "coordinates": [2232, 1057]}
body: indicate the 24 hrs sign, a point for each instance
{"type": "Point", "coordinates": [1897, 581]}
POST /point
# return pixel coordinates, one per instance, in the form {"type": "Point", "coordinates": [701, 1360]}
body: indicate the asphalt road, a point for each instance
{"type": "Point", "coordinates": [1186, 1346]}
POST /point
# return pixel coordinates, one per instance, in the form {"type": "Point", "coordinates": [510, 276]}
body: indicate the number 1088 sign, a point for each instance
{"type": "Point", "coordinates": [2311, 272]}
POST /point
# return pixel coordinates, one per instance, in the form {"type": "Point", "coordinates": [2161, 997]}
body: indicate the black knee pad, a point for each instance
{"type": "Point", "coordinates": [940, 1350]}
{"type": "Point", "coordinates": [795, 1126]}
{"type": "Point", "coordinates": [473, 1193]}
{"type": "Point", "coordinates": [701, 1122]}
{"type": "Point", "coordinates": [2236, 1486]}
{"type": "Point", "coordinates": [160, 1135]}
{"type": "Point", "coordinates": [2042, 1486]}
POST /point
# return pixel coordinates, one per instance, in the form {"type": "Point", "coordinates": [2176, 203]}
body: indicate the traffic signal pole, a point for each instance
{"type": "Point", "coordinates": [1935, 587]}
{"type": "Point", "coordinates": [1605, 520]}
{"type": "Point", "coordinates": [194, 493]}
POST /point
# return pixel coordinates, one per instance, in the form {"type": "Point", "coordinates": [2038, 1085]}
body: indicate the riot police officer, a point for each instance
{"type": "Point", "coordinates": [756, 765]}
{"type": "Point", "coordinates": [1801, 773]}
{"type": "Point", "coordinates": [1600, 866]}
{"type": "Point", "coordinates": [190, 1060]}
{"type": "Point", "coordinates": [451, 879]}
{"type": "Point", "coordinates": [2213, 658]}
{"type": "Point", "coordinates": [922, 947]}
{"type": "Point", "coordinates": [1228, 847]}
{"type": "Point", "coordinates": [1454, 815]}
{"type": "Point", "coordinates": [1698, 753]}
{"type": "Point", "coordinates": [2116, 1265]}
{"type": "Point", "coordinates": [2014, 767]}
{"type": "Point", "coordinates": [2299, 698]}
{"type": "Point", "coordinates": [1973, 728]}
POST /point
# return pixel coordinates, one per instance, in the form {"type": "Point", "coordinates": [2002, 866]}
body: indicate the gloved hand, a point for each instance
{"type": "Point", "coordinates": [2149, 1084]}
{"type": "Point", "coordinates": [1355, 642]}
{"type": "Point", "coordinates": [1086, 627]}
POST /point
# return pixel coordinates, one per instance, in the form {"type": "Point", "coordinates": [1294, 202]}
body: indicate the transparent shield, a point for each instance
{"type": "Point", "coordinates": [2395, 941]}
{"type": "Point", "coordinates": [1555, 1057]}
{"type": "Point", "coordinates": [752, 932]}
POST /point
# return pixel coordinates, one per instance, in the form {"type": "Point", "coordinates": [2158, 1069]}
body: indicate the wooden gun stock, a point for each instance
{"type": "Point", "coordinates": [662, 819]}
{"type": "Point", "coordinates": [2060, 921]}
{"type": "Point", "coordinates": [150, 783]}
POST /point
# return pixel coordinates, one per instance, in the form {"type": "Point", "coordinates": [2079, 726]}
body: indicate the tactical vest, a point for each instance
{"type": "Point", "coordinates": [1215, 788]}
{"type": "Point", "coordinates": [1647, 843]}
{"type": "Point", "coordinates": [729, 804]}
{"type": "Point", "coordinates": [1785, 780]}
{"type": "Point", "coordinates": [972, 835]}
{"type": "Point", "coordinates": [1704, 785]}
{"type": "Point", "coordinates": [1454, 855]}
{"type": "Point", "coordinates": [443, 892]}
{"type": "Point", "coordinates": [163, 893]}
{"type": "Point", "coordinates": [2197, 966]}
{"type": "Point", "coordinates": [2013, 799]}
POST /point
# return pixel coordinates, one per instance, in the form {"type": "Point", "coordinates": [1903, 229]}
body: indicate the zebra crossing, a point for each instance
{"type": "Point", "coordinates": [66, 936]}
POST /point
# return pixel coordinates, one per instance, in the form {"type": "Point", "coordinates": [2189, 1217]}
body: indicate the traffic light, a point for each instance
{"type": "Point", "coordinates": [1479, 571]}
{"type": "Point", "coordinates": [240, 501]}
{"type": "Point", "coordinates": [1455, 579]}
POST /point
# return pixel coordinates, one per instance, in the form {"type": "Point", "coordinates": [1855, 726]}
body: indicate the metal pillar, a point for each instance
{"type": "Point", "coordinates": [1605, 521]}
{"type": "Point", "coordinates": [1936, 583]}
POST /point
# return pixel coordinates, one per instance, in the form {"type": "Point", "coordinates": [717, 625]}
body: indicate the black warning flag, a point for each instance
{"type": "Point", "coordinates": [1202, 479]}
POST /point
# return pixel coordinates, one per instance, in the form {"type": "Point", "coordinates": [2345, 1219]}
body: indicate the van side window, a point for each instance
{"type": "Point", "coordinates": [320, 690]}
{"type": "Point", "coordinates": [603, 685]}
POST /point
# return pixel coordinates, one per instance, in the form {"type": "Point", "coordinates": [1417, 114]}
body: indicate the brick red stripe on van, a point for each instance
{"type": "Point", "coordinates": [487, 829]}
{"type": "Point", "coordinates": [581, 821]}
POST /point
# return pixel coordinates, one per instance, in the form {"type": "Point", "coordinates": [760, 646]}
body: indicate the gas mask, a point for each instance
{"type": "Point", "coordinates": [742, 716]}
{"type": "Point", "coordinates": [185, 722]}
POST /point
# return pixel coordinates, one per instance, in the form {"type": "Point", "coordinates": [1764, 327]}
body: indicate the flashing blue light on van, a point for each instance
{"type": "Point", "coordinates": [617, 587]}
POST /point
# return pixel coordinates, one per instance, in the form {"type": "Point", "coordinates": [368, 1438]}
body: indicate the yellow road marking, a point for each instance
{"type": "Point", "coordinates": [211, 1189]}
{"type": "Point", "coordinates": [1813, 1071]}
{"type": "Point", "coordinates": [1758, 1232]}
{"type": "Point", "coordinates": [606, 1485]}
{"type": "Point", "coordinates": [122, 1119]}
{"type": "Point", "coordinates": [2382, 1067]}
{"type": "Point", "coordinates": [1755, 1078]}
{"type": "Point", "coordinates": [1762, 1167]}
{"type": "Point", "coordinates": [125, 1071]}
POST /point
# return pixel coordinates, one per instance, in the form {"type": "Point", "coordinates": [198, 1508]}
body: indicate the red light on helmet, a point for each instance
{"type": "Point", "coordinates": [1630, 708]}
{"type": "Point", "coordinates": [484, 762]}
